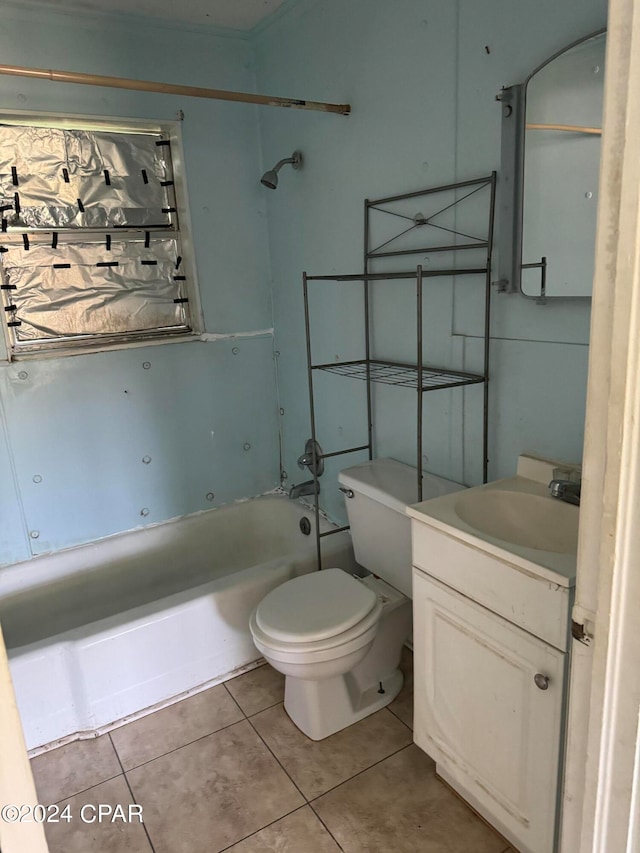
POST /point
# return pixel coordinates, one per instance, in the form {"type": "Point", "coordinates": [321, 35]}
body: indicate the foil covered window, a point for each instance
{"type": "Point", "coordinates": [90, 246]}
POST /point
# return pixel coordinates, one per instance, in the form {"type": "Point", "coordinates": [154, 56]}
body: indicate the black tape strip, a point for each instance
{"type": "Point", "coordinates": [107, 177]}
{"type": "Point", "coordinates": [25, 242]}
{"type": "Point", "coordinates": [107, 264]}
{"type": "Point", "coordinates": [10, 307]}
{"type": "Point", "coordinates": [54, 240]}
{"type": "Point", "coordinates": [168, 210]}
{"type": "Point", "coordinates": [65, 175]}
{"type": "Point", "coordinates": [107, 242]}
{"type": "Point", "coordinates": [147, 239]}
{"type": "Point", "coordinates": [3, 249]}
{"type": "Point", "coordinates": [8, 286]}
{"type": "Point", "coordinates": [4, 224]}
{"type": "Point", "coordinates": [14, 176]}
{"type": "Point", "coordinates": [149, 263]}
{"type": "Point", "coordinates": [179, 278]}
{"type": "Point", "coordinates": [15, 323]}
{"type": "Point", "coordinates": [16, 203]}
{"type": "Point", "coordinates": [163, 142]}
{"type": "Point", "coordinates": [178, 261]}
{"type": "Point", "coordinates": [145, 177]}
{"type": "Point", "coordinates": [62, 266]}
{"type": "Point", "coordinates": [166, 183]}
{"type": "Point", "coordinates": [80, 205]}
{"type": "Point", "coordinates": [181, 300]}
{"type": "Point", "coordinates": [6, 207]}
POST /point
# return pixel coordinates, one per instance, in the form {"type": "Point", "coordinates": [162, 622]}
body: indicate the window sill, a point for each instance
{"type": "Point", "coordinates": [90, 349]}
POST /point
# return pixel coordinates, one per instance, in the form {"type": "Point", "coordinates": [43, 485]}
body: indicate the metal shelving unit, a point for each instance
{"type": "Point", "coordinates": [417, 376]}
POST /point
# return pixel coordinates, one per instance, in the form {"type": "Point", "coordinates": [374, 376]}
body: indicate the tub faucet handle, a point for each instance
{"type": "Point", "coordinates": [348, 493]}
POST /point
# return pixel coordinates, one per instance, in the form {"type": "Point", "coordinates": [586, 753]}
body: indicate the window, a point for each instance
{"type": "Point", "coordinates": [90, 248]}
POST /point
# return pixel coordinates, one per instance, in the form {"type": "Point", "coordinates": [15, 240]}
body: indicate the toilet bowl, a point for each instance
{"type": "Point", "coordinates": [336, 637]}
{"type": "Point", "coordinates": [338, 640]}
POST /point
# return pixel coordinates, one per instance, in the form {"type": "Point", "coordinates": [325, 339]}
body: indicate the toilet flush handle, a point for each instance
{"type": "Point", "coordinates": [348, 493]}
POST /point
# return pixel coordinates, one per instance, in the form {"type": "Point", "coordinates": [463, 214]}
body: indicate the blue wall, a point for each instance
{"type": "Point", "coordinates": [422, 76]}
{"type": "Point", "coordinates": [83, 424]}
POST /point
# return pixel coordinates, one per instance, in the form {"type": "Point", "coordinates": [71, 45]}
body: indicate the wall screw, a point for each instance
{"type": "Point", "coordinates": [37, 478]}
{"type": "Point", "coordinates": [282, 411]}
{"type": "Point", "coordinates": [23, 375]}
{"type": "Point", "coordinates": [235, 350]}
{"type": "Point", "coordinates": [210, 496]}
{"type": "Point", "coordinates": [146, 459]}
{"type": "Point", "coordinates": [276, 353]}
{"type": "Point", "coordinates": [146, 365]}
{"type": "Point", "coordinates": [34, 534]}
{"type": "Point", "coordinates": [144, 511]}
{"type": "Point", "coordinates": [246, 446]}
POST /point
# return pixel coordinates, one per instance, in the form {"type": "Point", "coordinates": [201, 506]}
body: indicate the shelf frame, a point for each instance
{"type": "Point", "coordinates": [372, 370]}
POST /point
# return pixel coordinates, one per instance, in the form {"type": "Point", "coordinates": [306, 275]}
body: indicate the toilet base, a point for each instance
{"type": "Point", "coordinates": [322, 708]}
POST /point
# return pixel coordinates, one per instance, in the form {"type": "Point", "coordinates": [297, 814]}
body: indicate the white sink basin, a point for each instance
{"type": "Point", "coordinates": [522, 519]}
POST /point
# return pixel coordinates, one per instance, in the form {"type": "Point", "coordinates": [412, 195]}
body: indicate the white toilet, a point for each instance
{"type": "Point", "coordinates": [338, 638]}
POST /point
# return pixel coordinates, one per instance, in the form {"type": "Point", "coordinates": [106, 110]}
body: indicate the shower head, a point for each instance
{"type": "Point", "coordinates": [270, 178]}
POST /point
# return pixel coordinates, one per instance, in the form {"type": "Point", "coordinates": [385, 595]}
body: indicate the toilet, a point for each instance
{"type": "Point", "coordinates": [336, 637]}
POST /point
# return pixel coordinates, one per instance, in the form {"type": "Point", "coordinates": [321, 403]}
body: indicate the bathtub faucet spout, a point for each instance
{"type": "Point", "coordinates": [310, 487]}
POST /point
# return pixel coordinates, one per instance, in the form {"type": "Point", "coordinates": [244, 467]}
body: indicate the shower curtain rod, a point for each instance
{"type": "Point", "coordinates": [171, 89]}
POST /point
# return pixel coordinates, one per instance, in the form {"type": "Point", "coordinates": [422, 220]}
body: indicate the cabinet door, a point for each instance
{"type": "Point", "coordinates": [481, 714]}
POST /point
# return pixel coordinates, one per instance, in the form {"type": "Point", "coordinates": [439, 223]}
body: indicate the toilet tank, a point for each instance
{"type": "Point", "coordinates": [380, 529]}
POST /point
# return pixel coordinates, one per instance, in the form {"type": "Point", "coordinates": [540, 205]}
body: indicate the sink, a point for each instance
{"type": "Point", "coordinates": [521, 518]}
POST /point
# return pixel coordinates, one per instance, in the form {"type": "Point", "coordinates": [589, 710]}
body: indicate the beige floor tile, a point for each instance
{"type": "Point", "coordinates": [212, 793]}
{"type": "Point", "coordinates": [258, 689]}
{"type": "Point", "coordinates": [399, 805]}
{"type": "Point", "coordinates": [75, 767]}
{"type": "Point", "coordinates": [175, 726]}
{"type": "Point", "coordinates": [402, 705]}
{"type": "Point", "coordinates": [78, 836]}
{"type": "Point", "coordinates": [317, 766]}
{"type": "Point", "coordinates": [300, 832]}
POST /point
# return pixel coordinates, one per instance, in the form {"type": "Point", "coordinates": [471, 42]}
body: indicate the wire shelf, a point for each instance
{"type": "Point", "coordinates": [405, 375]}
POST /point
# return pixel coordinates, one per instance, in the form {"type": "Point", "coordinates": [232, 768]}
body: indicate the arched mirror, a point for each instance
{"type": "Point", "coordinates": [551, 132]}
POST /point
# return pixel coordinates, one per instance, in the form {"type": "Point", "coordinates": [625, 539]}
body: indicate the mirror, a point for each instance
{"type": "Point", "coordinates": [551, 133]}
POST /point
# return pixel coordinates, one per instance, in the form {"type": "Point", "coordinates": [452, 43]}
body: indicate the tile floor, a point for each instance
{"type": "Point", "coordinates": [227, 770]}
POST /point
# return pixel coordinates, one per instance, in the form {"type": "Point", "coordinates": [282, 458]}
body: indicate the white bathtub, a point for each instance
{"type": "Point", "coordinates": [103, 631]}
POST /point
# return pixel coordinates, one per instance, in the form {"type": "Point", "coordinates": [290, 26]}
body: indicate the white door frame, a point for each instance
{"type": "Point", "coordinates": [602, 790]}
{"type": "Point", "coordinates": [16, 781]}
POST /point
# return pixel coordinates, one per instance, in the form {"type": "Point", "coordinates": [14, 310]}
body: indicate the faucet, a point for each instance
{"type": "Point", "coordinates": [566, 490]}
{"type": "Point", "coordinates": [310, 487]}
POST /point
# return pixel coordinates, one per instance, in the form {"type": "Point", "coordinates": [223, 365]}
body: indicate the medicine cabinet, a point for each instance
{"type": "Point", "coordinates": [550, 159]}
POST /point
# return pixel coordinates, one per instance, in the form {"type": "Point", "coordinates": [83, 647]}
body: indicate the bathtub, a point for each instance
{"type": "Point", "coordinates": [102, 632]}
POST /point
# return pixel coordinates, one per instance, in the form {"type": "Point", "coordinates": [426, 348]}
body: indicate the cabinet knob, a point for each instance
{"type": "Point", "coordinates": [541, 681]}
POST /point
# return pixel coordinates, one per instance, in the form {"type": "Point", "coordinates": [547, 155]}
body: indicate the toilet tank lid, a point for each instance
{"type": "Point", "coordinates": [314, 607]}
{"type": "Point", "coordinates": [393, 483]}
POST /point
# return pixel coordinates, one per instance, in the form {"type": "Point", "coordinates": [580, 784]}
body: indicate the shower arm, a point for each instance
{"type": "Point", "coordinates": [295, 162]}
{"type": "Point", "coordinates": [282, 163]}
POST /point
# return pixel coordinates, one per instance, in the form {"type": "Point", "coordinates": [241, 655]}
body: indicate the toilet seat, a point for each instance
{"type": "Point", "coordinates": [306, 647]}
{"type": "Point", "coordinates": [315, 607]}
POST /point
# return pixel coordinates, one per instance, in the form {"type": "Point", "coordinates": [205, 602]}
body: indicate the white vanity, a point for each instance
{"type": "Point", "coordinates": [493, 578]}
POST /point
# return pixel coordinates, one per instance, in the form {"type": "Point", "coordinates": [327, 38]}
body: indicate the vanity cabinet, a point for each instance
{"type": "Point", "coordinates": [489, 700]}
{"type": "Point", "coordinates": [491, 635]}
